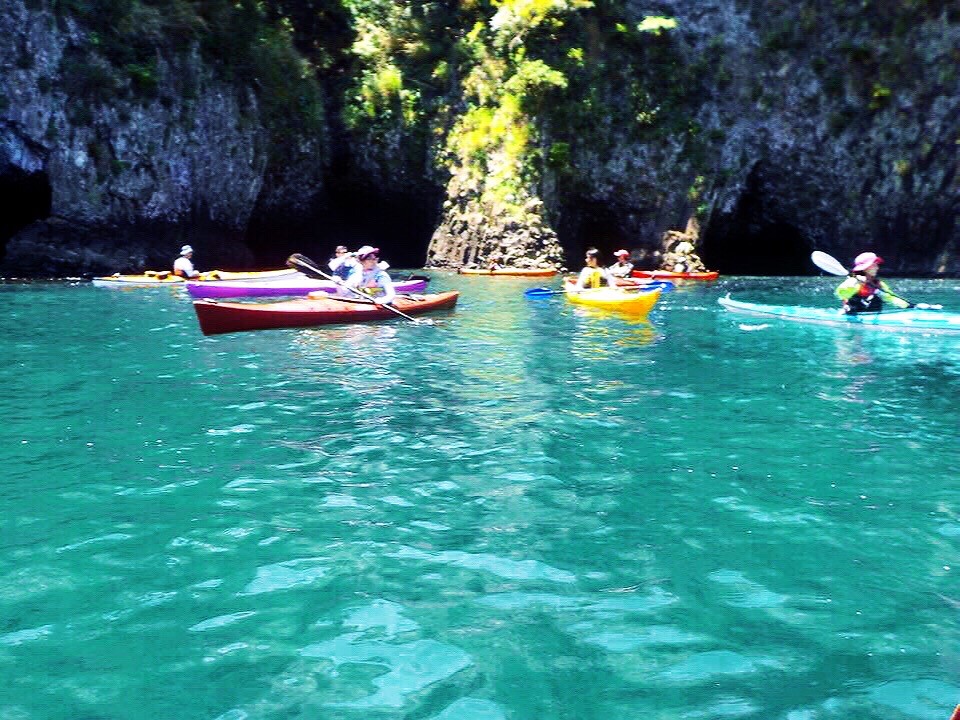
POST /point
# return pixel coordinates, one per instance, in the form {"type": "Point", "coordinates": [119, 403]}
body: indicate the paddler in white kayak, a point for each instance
{"type": "Point", "coordinates": [862, 291]}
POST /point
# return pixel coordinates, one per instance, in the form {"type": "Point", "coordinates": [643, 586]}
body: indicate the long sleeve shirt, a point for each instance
{"type": "Point", "coordinates": [855, 285]}
{"type": "Point", "coordinates": [376, 283]}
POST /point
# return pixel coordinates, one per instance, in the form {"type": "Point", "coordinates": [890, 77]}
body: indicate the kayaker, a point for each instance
{"type": "Point", "coordinates": [862, 291]}
{"type": "Point", "coordinates": [622, 267]}
{"type": "Point", "coordinates": [342, 262]}
{"type": "Point", "coordinates": [370, 278]}
{"type": "Point", "coordinates": [593, 274]}
{"type": "Point", "coordinates": [183, 265]}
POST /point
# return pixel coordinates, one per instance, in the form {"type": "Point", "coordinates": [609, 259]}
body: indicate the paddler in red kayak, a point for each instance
{"type": "Point", "coordinates": [593, 275]}
{"type": "Point", "coordinates": [862, 291]}
{"type": "Point", "coordinates": [370, 278]}
{"type": "Point", "coordinates": [622, 267]}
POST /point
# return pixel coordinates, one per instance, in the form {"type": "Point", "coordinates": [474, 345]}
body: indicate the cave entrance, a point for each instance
{"type": "Point", "coordinates": [26, 197]}
{"type": "Point", "coordinates": [400, 224]}
{"type": "Point", "coordinates": [753, 240]}
{"type": "Point", "coordinates": [586, 223]}
{"type": "Point", "coordinates": [351, 214]}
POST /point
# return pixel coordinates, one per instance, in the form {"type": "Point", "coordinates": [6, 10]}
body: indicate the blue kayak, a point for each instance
{"type": "Point", "coordinates": [912, 320]}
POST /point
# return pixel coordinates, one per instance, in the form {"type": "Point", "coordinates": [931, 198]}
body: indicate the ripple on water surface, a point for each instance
{"type": "Point", "coordinates": [522, 511]}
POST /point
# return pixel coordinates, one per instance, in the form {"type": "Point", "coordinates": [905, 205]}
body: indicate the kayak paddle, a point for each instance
{"type": "Point", "coordinates": [309, 268]}
{"type": "Point", "coordinates": [830, 264]}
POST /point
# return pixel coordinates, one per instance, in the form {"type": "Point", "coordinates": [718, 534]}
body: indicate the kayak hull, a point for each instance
{"type": "Point", "coordinates": [670, 275]}
{"type": "Point", "coordinates": [217, 317]}
{"type": "Point", "coordinates": [278, 287]}
{"type": "Point", "coordinates": [639, 302]}
{"type": "Point", "coordinates": [912, 321]}
{"type": "Point", "coordinates": [159, 278]}
{"type": "Point", "coordinates": [515, 272]}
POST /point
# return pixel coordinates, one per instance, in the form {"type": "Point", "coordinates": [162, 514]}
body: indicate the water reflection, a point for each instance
{"type": "Point", "coordinates": [600, 331]}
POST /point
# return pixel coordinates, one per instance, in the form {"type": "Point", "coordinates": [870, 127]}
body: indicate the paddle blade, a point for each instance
{"type": "Point", "coordinates": [541, 292]}
{"type": "Point", "coordinates": [828, 263]}
{"type": "Point", "coordinates": [645, 287]}
{"type": "Point", "coordinates": [307, 266]}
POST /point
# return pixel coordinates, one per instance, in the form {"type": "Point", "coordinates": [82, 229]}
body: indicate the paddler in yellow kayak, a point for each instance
{"type": "Point", "coordinates": [593, 274]}
{"type": "Point", "coordinates": [862, 291]}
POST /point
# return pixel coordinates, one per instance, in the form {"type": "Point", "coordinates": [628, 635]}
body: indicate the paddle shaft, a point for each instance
{"type": "Point", "coordinates": [308, 267]}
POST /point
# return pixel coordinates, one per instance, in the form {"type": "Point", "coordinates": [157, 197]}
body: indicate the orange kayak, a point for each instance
{"type": "Point", "coordinates": [670, 275]}
{"type": "Point", "coordinates": [218, 317]}
{"type": "Point", "coordinates": [518, 272]}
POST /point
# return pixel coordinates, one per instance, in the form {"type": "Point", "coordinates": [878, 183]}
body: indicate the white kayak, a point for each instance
{"type": "Point", "coordinates": [907, 320]}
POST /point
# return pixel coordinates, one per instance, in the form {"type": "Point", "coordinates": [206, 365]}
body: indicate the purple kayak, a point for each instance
{"type": "Point", "coordinates": [295, 285]}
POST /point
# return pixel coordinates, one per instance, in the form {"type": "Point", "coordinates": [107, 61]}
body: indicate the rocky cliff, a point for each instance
{"type": "Point", "coordinates": [524, 130]}
{"type": "Point", "coordinates": [99, 178]}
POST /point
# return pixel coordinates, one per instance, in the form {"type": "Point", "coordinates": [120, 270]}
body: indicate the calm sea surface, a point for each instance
{"type": "Point", "coordinates": [522, 512]}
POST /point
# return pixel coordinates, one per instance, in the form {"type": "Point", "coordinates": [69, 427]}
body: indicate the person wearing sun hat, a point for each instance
{"type": "Point", "coordinates": [343, 262]}
{"type": "Point", "coordinates": [183, 265]}
{"type": "Point", "coordinates": [370, 278]}
{"type": "Point", "coordinates": [863, 291]}
{"type": "Point", "coordinates": [622, 267]}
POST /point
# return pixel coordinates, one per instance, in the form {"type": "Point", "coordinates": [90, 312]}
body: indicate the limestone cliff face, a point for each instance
{"type": "Point", "coordinates": [126, 182]}
{"type": "Point", "coordinates": [774, 128]}
{"type": "Point", "coordinates": [798, 128]}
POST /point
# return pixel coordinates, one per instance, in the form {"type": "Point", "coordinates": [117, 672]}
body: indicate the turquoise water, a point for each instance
{"type": "Point", "coordinates": [524, 511]}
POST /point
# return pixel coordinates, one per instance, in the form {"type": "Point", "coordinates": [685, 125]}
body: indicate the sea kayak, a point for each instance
{"type": "Point", "coordinates": [909, 320]}
{"type": "Point", "coordinates": [224, 317]}
{"type": "Point", "coordinates": [158, 278]}
{"type": "Point", "coordinates": [635, 302]}
{"type": "Point", "coordinates": [517, 272]}
{"type": "Point", "coordinates": [297, 284]}
{"type": "Point", "coordinates": [670, 275]}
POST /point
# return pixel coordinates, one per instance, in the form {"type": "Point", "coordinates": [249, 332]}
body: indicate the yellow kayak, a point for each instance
{"type": "Point", "coordinates": [635, 302]}
{"type": "Point", "coordinates": [154, 278]}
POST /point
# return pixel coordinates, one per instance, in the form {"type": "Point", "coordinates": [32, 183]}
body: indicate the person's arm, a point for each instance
{"type": "Point", "coordinates": [848, 288]}
{"type": "Point", "coordinates": [389, 292]}
{"type": "Point", "coordinates": [894, 299]}
{"type": "Point", "coordinates": [354, 278]}
{"type": "Point", "coordinates": [582, 278]}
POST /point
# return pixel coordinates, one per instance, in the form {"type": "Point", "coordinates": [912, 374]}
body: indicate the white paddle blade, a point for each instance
{"type": "Point", "coordinates": [828, 263]}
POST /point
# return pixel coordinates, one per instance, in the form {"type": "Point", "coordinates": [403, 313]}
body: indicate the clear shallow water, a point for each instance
{"type": "Point", "coordinates": [524, 511]}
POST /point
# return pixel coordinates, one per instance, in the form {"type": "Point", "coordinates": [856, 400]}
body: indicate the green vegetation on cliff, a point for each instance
{"type": "Point", "coordinates": [247, 42]}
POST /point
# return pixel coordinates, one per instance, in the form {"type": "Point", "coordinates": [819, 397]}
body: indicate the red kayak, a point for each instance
{"type": "Point", "coordinates": [224, 317]}
{"type": "Point", "coordinates": [670, 275]}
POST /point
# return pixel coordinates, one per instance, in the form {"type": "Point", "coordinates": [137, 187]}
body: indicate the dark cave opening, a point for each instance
{"type": "Point", "coordinates": [585, 224]}
{"type": "Point", "coordinates": [399, 223]}
{"type": "Point", "coordinates": [744, 248]}
{"type": "Point", "coordinates": [27, 197]}
{"type": "Point", "coordinates": [753, 240]}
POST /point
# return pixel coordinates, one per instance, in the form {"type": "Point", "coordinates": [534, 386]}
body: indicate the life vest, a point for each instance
{"type": "Point", "coordinates": [594, 279]}
{"type": "Point", "coordinates": [866, 299]}
{"type": "Point", "coordinates": [369, 284]}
